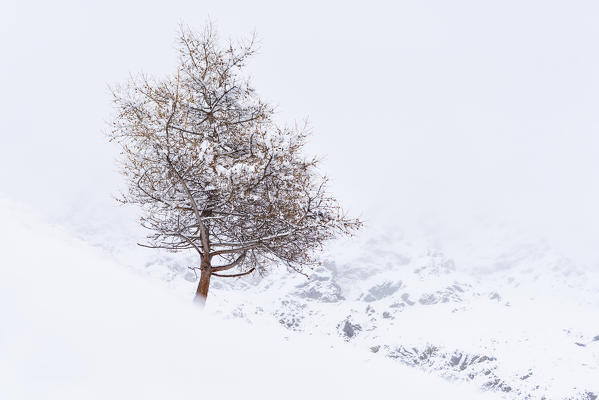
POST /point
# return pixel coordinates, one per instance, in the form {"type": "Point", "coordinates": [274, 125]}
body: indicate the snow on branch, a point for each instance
{"type": "Point", "coordinates": [213, 172]}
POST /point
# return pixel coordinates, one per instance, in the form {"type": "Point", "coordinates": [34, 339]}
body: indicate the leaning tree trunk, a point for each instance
{"type": "Point", "coordinates": [202, 290]}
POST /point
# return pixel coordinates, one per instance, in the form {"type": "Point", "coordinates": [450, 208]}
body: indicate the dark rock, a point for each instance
{"type": "Point", "coordinates": [522, 378]}
{"type": "Point", "coordinates": [322, 290]}
{"type": "Point", "coordinates": [494, 296]}
{"type": "Point", "coordinates": [465, 364]}
{"type": "Point", "coordinates": [458, 288]}
{"type": "Point", "coordinates": [381, 291]}
{"type": "Point", "coordinates": [428, 299]}
{"type": "Point", "coordinates": [406, 297]}
{"type": "Point", "coordinates": [348, 329]}
{"type": "Point", "coordinates": [428, 353]}
{"type": "Point", "coordinates": [455, 359]}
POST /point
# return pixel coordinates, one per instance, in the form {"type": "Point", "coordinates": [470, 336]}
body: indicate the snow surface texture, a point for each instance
{"type": "Point", "coordinates": [515, 318]}
{"type": "Point", "coordinates": [528, 330]}
{"type": "Point", "coordinates": [76, 325]}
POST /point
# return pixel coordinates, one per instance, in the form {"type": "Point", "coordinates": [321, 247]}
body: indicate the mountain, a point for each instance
{"type": "Point", "coordinates": [78, 325]}
{"type": "Point", "coordinates": [518, 318]}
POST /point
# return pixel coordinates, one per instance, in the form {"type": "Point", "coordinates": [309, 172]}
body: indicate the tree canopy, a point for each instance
{"type": "Point", "coordinates": [214, 173]}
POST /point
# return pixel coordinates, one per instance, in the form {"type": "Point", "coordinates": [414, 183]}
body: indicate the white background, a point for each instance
{"type": "Point", "coordinates": [445, 113]}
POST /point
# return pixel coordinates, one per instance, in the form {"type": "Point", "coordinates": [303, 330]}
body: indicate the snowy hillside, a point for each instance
{"type": "Point", "coordinates": [464, 134]}
{"type": "Point", "coordinates": [75, 325]}
{"type": "Point", "coordinates": [521, 321]}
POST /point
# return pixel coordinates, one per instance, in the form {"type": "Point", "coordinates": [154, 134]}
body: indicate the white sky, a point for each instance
{"type": "Point", "coordinates": [454, 111]}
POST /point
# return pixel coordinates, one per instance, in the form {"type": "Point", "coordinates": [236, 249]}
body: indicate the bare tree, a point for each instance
{"type": "Point", "coordinates": [213, 172]}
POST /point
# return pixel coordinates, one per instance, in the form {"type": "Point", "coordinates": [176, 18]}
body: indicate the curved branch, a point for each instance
{"type": "Point", "coordinates": [191, 243]}
{"type": "Point", "coordinates": [235, 275]}
{"type": "Point", "coordinates": [231, 265]}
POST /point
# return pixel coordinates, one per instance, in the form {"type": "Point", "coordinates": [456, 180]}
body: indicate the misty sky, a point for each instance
{"type": "Point", "coordinates": [459, 112]}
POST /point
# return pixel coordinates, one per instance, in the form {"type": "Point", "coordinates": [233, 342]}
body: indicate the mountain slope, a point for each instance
{"type": "Point", "coordinates": [76, 325]}
{"type": "Point", "coordinates": [520, 321]}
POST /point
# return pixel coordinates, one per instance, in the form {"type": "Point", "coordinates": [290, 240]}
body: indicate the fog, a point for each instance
{"type": "Point", "coordinates": [450, 117]}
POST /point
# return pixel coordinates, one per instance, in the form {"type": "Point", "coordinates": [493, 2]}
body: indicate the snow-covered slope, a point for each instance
{"type": "Point", "coordinates": [519, 319]}
{"type": "Point", "coordinates": [75, 325]}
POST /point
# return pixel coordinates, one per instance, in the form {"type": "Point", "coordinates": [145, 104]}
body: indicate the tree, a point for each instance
{"type": "Point", "coordinates": [214, 173]}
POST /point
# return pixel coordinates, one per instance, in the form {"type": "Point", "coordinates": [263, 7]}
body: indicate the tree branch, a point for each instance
{"type": "Point", "coordinates": [194, 205]}
{"type": "Point", "coordinates": [231, 265]}
{"type": "Point", "coordinates": [235, 250]}
{"type": "Point", "coordinates": [188, 240]}
{"type": "Point", "coordinates": [254, 242]}
{"type": "Point", "coordinates": [235, 275]}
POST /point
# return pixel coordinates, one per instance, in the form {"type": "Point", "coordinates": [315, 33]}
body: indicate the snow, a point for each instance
{"type": "Point", "coordinates": [76, 324]}
{"type": "Point", "coordinates": [474, 114]}
{"type": "Point", "coordinates": [515, 318]}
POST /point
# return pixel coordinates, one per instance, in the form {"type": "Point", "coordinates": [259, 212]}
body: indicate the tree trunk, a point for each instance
{"type": "Point", "coordinates": [202, 290]}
